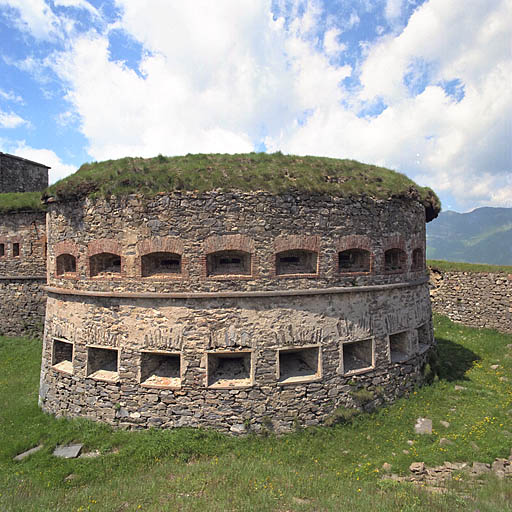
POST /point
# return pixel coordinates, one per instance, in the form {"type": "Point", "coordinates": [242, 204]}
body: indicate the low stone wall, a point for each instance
{"type": "Point", "coordinates": [477, 299]}
{"type": "Point", "coordinates": [22, 306]}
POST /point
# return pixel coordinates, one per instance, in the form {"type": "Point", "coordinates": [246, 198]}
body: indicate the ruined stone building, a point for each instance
{"type": "Point", "coordinates": [22, 245]}
{"type": "Point", "coordinates": [241, 299]}
{"type": "Point", "coordinates": [233, 308]}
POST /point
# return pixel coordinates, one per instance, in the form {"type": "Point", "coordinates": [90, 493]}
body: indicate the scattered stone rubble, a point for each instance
{"type": "Point", "coordinates": [434, 478]}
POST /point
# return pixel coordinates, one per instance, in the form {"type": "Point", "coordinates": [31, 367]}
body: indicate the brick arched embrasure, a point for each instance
{"type": "Point", "coordinates": [348, 242]}
{"type": "Point", "coordinates": [394, 241]}
{"type": "Point", "coordinates": [66, 247]}
{"type": "Point", "coordinates": [236, 242]}
{"type": "Point", "coordinates": [168, 244]}
{"type": "Point", "coordinates": [106, 245]}
{"type": "Point", "coordinates": [417, 242]}
{"type": "Point", "coordinates": [310, 243]}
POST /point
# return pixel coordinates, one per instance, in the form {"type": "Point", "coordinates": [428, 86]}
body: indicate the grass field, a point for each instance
{"type": "Point", "coordinates": [317, 469]}
{"type": "Point", "coordinates": [455, 266]}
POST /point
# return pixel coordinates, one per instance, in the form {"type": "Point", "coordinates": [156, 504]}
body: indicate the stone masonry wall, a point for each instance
{"type": "Point", "coordinates": [195, 330]}
{"type": "Point", "coordinates": [22, 273]}
{"type": "Point", "coordinates": [21, 175]}
{"type": "Point", "coordinates": [258, 223]}
{"type": "Point", "coordinates": [203, 345]}
{"type": "Point", "coordinates": [23, 244]}
{"type": "Point", "coordinates": [477, 299]}
{"type": "Point", "coordinates": [22, 307]}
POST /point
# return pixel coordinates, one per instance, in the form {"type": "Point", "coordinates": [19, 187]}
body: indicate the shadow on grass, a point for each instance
{"type": "Point", "coordinates": [453, 360]}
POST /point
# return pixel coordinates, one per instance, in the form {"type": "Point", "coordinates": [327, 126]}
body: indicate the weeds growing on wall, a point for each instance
{"type": "Point", "coordinates": [321, 468]}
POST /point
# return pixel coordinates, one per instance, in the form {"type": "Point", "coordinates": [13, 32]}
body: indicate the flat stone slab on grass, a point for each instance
{"type": "Point", "coordinates": [71, 451]}
{"type": "Point", "coordinates": [23, 455]}
{"type": "Point", "coordinates": [423, 426]}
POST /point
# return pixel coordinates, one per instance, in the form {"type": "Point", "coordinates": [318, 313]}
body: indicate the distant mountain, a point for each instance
{"type": "Point", "coordinates": [481, 236]}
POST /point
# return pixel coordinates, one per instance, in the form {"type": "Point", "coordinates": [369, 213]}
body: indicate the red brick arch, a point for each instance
{"type": "Point", "coordinates": [236, 242]}
{"type": "Point", "coordinates": [348, 242]}
{"type": "Point", "coordinates": [107, 245]}
{"type": "Point", "coordinates": [168, 244]}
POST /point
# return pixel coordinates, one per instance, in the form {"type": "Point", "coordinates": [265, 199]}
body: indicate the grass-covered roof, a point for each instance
{"type": "Point", "coordinates": [21, 201]}
{"type": "Point", "coordinates": [276, 173]}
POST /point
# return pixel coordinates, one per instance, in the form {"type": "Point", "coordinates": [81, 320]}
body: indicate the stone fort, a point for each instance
{"type": "Point", "coordinates": [231, 309]}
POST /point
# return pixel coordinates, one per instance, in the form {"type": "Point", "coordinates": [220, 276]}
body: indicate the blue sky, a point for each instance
{"type": "Point", "coordinates": [418, 86]}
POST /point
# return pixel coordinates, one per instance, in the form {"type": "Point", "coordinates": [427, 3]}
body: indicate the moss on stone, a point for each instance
{"type": "Point", "coordinates": [275, 173]}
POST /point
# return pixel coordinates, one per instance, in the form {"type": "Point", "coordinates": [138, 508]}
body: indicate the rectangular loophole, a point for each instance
{"type": "Point", "coordinates": [357, 355]}
{"type": "Point", "coordinates": [62, 355]}
{"type": "Point", "coordinates": [102, 364]}
{"type": "Point", "coordinates": [299, 364]}
{"type": "Point", "coordinates": [15, 249]}
{"type": "Point", "coordinates": [399, 348]}
{"type": "Point", "coordinates": [229, 369]}
{"type": "Point", "coordinates": [2, 250]}
{"type": "Point", "coordinates": [160, 370]}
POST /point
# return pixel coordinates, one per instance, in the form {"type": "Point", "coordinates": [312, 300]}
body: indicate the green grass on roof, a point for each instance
{"type": "Point", "coordinates": [276, 173]}
{"type": "Point", "coordinates": [21, 201]}
{"type": "Point", "coordinates": [455, 266]}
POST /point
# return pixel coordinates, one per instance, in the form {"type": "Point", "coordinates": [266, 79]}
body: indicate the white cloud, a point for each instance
{"type": "Point", "coordinates": [331, 44]}
{"type": "Point", "coordinates": [78, 4]}
{"type": "Point", "coordinates": [218, 81]}
{"type": "Point", "coordinates": [35, 17]}
{"type": "Point", "coordinates": [460, 146]}
{"type": "Point", "coordinates": [393, 9]}
{"type": "Point", "coordinates": [11, 120]}
{"type": "Point", "coordinates": [38, 19]}
{"type": "Point", "coordinates": [67, 118]}
{"type": "Point", "coordinates": [353, 20]}
{"type": "Point", "coordinates": [48, 157]}
{"type": "Point", "coordinates": [10, 96]}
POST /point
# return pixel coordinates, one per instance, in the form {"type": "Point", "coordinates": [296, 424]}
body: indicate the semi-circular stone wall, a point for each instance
{"type": "Point", "coordinates": [285, 341]}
